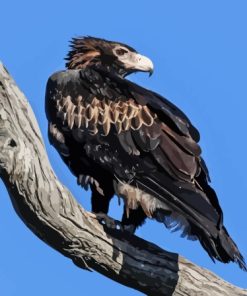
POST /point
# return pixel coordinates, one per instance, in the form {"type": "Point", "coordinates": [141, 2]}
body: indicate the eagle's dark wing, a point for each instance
{"type": "Point", "coordinates": [150, 148]}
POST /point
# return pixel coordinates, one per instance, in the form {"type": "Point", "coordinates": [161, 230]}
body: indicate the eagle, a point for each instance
{"type": "Point", "coordinates": [119, 138]}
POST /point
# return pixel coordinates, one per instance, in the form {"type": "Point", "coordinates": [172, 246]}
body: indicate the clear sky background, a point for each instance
{"type": "Point", "coordinates": [199, 52]}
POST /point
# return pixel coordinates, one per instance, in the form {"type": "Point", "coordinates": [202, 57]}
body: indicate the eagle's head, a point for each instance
{"type": "Point", "coordinates": [114, 57]}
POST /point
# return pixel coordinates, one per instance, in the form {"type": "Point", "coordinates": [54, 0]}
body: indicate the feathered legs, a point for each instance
{"type": "Point", "coordinates": [100, 202]}
{"type": "Point", "coordinates": [100, 206]}
{"type": "Point", "coordinates": [102, 194]}
{"type": "Point", "coordinates": [133, 219]}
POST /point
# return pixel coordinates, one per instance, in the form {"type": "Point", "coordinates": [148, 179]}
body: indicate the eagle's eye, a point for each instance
{"type": "Point", "coordinates": [121, 51]}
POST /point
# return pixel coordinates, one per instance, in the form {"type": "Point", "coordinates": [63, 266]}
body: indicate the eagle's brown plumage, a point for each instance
{"type": "Point", "coordinates": [88, 51]}
{"type": "Point", "coordinates": [120, 138]}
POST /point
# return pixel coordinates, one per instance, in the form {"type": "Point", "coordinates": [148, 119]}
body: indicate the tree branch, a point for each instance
{"type": "Point", "coordinates": [51, 212]}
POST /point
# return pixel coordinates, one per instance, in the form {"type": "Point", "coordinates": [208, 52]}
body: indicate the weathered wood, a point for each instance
{"type": "Point", "coordinates": [51, 212]}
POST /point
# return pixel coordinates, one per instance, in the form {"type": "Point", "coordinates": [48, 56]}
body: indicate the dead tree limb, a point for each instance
{"type": "Point", "coordinates": [51, 212]}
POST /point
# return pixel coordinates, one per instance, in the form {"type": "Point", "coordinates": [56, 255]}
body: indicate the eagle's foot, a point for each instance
{"type": "Point", "coordinates": [109, 222]}
{"type": "Point", "coordinates": [130, 228]}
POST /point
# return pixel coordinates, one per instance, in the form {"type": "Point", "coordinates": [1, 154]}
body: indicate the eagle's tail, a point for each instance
{"type": "Point", "coordinates": [227, 249]}
{"type": "Point", "coordinates": [221, 247]}
{"type": "Point", "coordinates": [196, 220]}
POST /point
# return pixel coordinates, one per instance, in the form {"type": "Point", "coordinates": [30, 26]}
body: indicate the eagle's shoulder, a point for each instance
{"type": "Point", "coordinates": [64, 76]}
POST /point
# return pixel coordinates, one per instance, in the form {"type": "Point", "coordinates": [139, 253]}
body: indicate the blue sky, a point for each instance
{"type": "Point", "coordinates": [199, 52]}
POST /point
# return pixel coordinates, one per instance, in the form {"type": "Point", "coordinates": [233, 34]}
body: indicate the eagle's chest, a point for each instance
{"type": "Point", "coordinates": [84, 118]}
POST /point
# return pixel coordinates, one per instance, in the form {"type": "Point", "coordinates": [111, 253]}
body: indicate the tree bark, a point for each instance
{"type": "Point", "coordinates": [52, 213]}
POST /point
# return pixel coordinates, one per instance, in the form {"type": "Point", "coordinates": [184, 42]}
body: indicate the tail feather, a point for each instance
{"type": "Point", "coordinates": [194, 224]}
{"type": "Point", "coordinates": [229, 250]}
{"type": "Point", "coordinates": [222, 248]}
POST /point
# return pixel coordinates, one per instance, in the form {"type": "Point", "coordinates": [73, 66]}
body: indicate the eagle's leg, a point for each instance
{"type": "Point", "coordinates": [132, 219]}
{"type": "Point", "coordinates": [100, 201]}
{"type": "Point", "coordinates": [100, 206]}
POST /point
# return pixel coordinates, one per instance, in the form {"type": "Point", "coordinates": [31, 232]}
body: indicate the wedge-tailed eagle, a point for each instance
{"type": "Point", "coordinates": [120, 138]}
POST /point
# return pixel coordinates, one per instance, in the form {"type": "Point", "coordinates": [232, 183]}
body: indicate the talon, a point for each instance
{"type": "Point", "coordinates": [119, 226]}
{"type": "Point", "coordinates": [108, 222]}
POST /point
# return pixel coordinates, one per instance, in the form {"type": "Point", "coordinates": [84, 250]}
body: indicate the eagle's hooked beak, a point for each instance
{"type": "Point", "coordinates": [144, 64]}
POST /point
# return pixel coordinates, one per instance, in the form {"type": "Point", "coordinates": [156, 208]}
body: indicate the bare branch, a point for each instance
{"type": "Point", "coordinates": [51, 212]}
